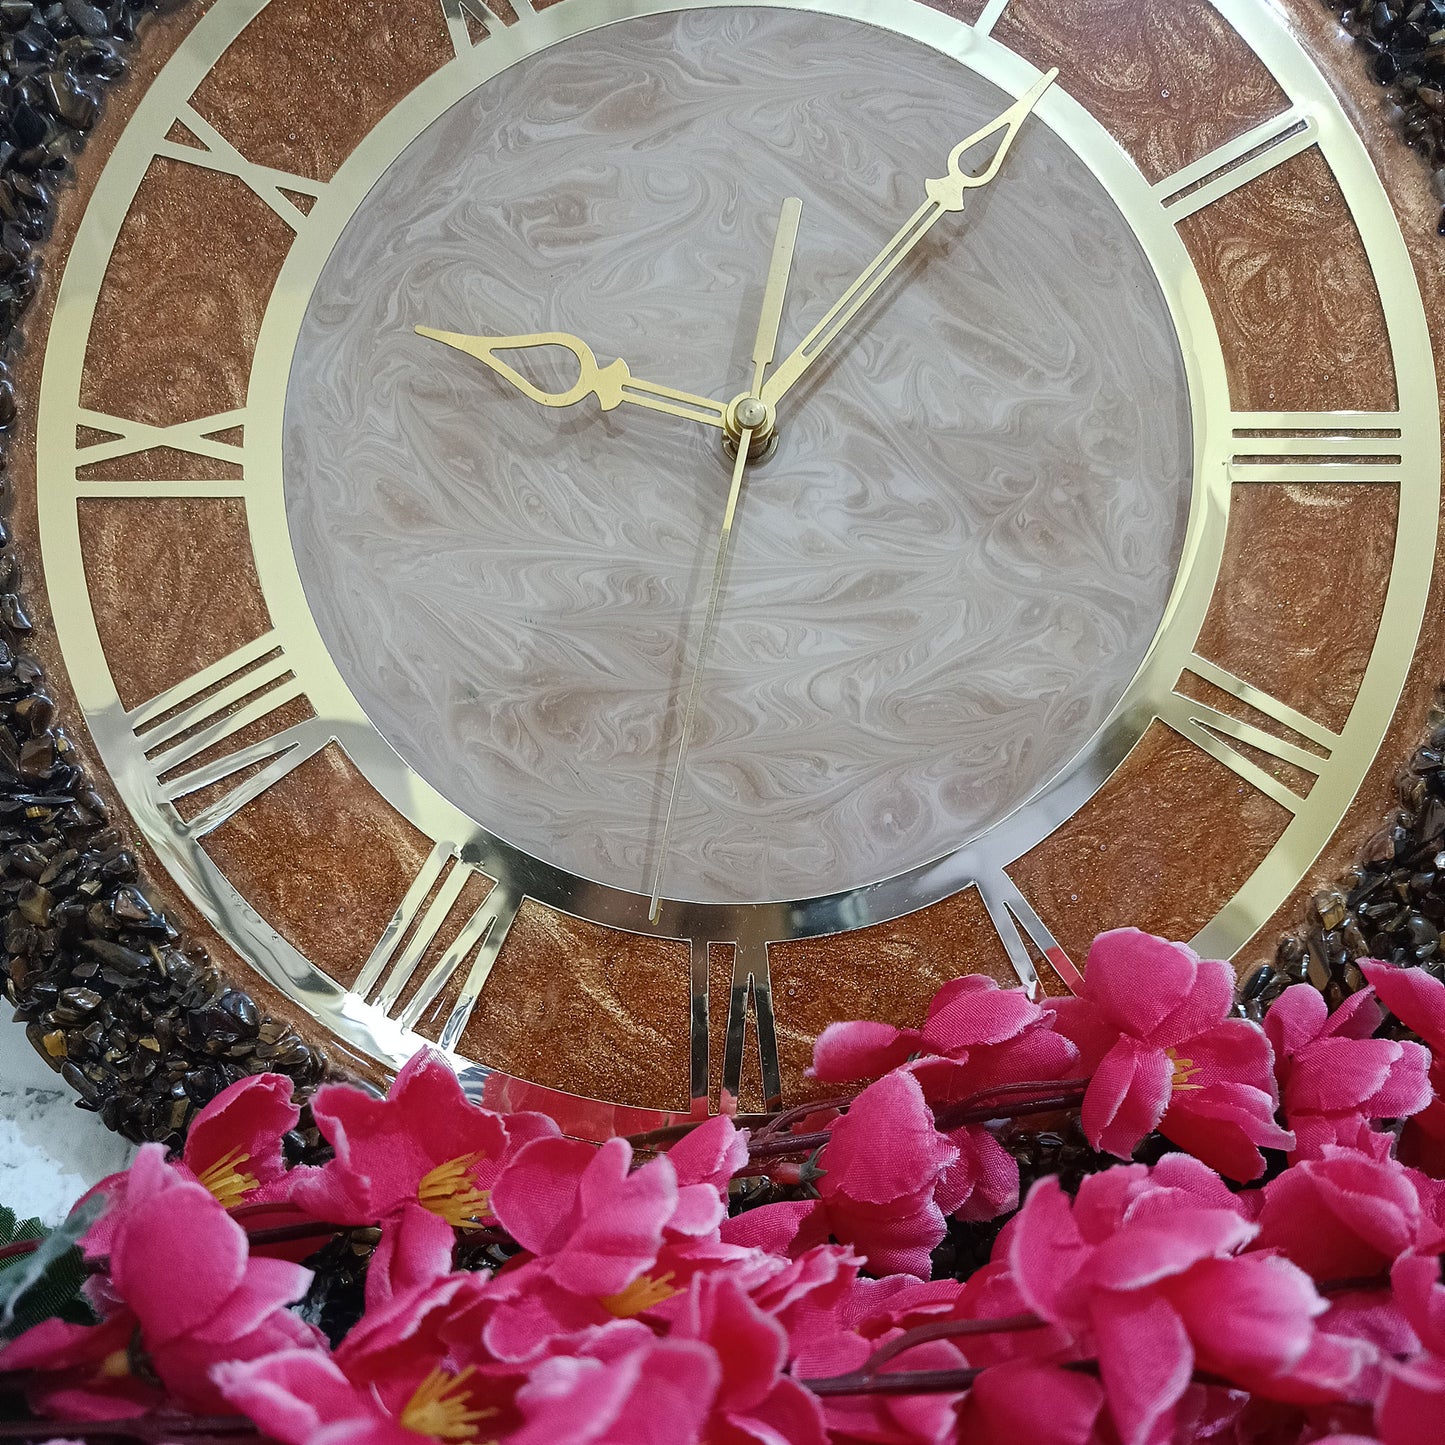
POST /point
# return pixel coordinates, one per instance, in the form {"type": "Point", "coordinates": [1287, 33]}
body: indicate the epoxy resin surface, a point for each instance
{"type": "Point", "coordinates": [941, 581]}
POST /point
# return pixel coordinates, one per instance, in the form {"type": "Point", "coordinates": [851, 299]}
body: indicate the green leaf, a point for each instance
{"type": "Point", "coordinates": [46, 1282]}
{"type": "Point", "coordinates": [12, 1233]}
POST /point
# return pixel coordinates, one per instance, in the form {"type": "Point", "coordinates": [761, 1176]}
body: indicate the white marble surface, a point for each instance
{"type": "Point", "coordinates": [50, 1151]}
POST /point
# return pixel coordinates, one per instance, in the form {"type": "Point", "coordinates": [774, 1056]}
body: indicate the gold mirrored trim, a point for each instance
{"type": "Point", "coordinates": [1312, 119]}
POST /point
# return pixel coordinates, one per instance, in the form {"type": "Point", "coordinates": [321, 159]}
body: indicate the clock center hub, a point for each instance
{"type": "Point", "coordinates": [750, 413]}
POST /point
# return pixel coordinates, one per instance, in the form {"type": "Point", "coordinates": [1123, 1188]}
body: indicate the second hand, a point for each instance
{"type": "Point", "coordinates": [751, 414]}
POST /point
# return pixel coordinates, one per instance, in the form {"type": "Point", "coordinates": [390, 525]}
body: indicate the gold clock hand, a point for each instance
{"type": "Point", "coordinates": [750, 413]}
{"type": "Point", "coordinates": [771, 319]}
{"type": "Point", "coordinates": [612, 384]}
{"type": "Point", "coordinates": [947, 193]}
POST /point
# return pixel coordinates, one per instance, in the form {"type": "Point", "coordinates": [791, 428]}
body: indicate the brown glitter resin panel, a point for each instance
{"type": "Point", "coordinates": [183, 298]}
{"type": "Point", "coordinates": [173, 586]}
{"type": "Point", "coordinates": [966, 10]}
{"type": "Point", "coordinates": [1162, 846]}
{"type": "Point", "coordinates": [331, 73]}
{"type": "Point", "coordinates": [1301, 590]}
{"type": "Point", "coordinates": [1292, 293]}
{"type": "Point", "coordinates": [587, 1009]}
{"type": "Point", "coordinates": [323, 859]}
{"type": "Point", "coordinates": [888, 972]}
{"type": "Point", "coordinates": [1169, 78]}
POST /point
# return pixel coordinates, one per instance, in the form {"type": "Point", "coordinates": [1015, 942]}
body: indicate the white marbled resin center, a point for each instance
{"type": "Point", "coordinates": [942, 580]}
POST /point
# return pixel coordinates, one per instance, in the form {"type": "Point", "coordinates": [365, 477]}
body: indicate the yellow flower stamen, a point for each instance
{"type": "Point", "coordinates": [442, 1407]}
{"type": "Point", "coordinates": [225, 1180]}
{"type": "Point", "coordinates": [451, 1192]}
{"type": "Point", "coordinates": [115, 1366]}
{"type": "Point", "coordinates": [642, 1294]}
{"type": "Point", "coordinates": [1184, 1070]}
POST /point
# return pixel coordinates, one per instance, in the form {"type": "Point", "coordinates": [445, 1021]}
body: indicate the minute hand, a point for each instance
{"type": "Point", "coordinates": [948, 193]}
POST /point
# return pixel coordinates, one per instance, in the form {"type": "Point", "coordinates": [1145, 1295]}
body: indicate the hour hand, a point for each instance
{"type": "Point", "coordinates": [611, 385]}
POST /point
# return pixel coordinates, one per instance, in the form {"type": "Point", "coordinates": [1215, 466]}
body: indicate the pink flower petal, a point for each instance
{"type": "Point", "coordinates": [1415, 998]}
{"type": "Point", "coordinates": [700, 1209]}
{"type": "Point", "coordinates": [1206, 1006]}
{"type": "Point", "coordinates": [267, 1287]}
{"type": "Point", "coordinates": [975, 1010]}
{"type": "Point", "coordinates": [1251, 1319]}
{"type": "Point", "coordinates": [181, 1233]}
{"type": "Point", "coordinates": [1145, 1360]}
{"type": "Point", "coordinates": [1139, 980]}
{"type": "Point", "coordinates": [536, 1198]}
{"type": "Point", "coordinates": [1296, 1018]}
{"type": "Point", "coordinates": [711, 1154]}
{"type": "Point", "coordinates": [250, 1116]}
{"type": "Point", "coordinates": [886, 1145]}
{"type": "Point", "coordinates": [898, 1237]}
{"type": "Point", "coordinates": [1012, 1404]}
{"type": "Point", "coordinates": [621, 1217]}
{"type": "Point", "coordinates": [1407, 1090]}
{"type": "Point", "coordinates": [1342, 1217]}
{"type": "Point", "coordinates": [290, 1395]}
{"type": "Point", "coordinates": [1126, 1097]}
{"type": "Point", "coordinates": [1086, 1026]}
{"type": "Point", "coordinates": [752, 1348]}
{"type": "Point", "coordinates": [1412, 1403]}
{"type": "Point", "coordinates": [1105, 1200]}
{"type": "Point", "coordinates": [1234, 1051]}
{"type": "Point", "coordinates": [984, 1182]}
{"type": "Point", "coordinates": [415, 1249]}
{"type": "Point", "coordinates": [846, 1052]}
{"type": "Point", "coordinates": [1142, 1255]}
{"type": "Point", "coordinates": [787, 1228]}
{"type": "Point", "coordinates": [791, 1415]}
{"type": "Point", "coordinates": [386, 1147]}
{"type": "Point", "coordinates": [1356, 1018]}
{"type": "Point", "coordinates": [1338, 1075]}
{"type": "Point", "coordinates": [660, 1394]}
{"type": "Point", "coordinates": [1415, 1280]}
{"type": "Point", "coordinates": [1046, 1253]}
{"type": "Point", "coordinates": [1226, 1125]}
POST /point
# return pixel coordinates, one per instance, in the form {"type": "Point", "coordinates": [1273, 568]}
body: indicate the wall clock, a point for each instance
{"type": "Point", "coordinates": [1080, 583]}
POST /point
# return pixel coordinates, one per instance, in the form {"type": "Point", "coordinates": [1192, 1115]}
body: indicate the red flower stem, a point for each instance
{"type": "Point", "coordinates": [957, 1115]}
{"type": "Point", "coordinates": [137, 1427]}
{"type": "Point", "coordinates": [788, 1144]}
{"type": "Point", "coordinates": [951, 1117]}
{"type": "Point", "coordinates": [975, 1109]}
{"type": "Point", "coordinates": [895, 1382]}
{"type": "Point", "coordinates": [285, 1233]}
{"type": "Point", "coordinates": [281, 1234]}
{"type": "Point", "coordinates": [801, 1111]}
{"type": "Point", "coordinates": [1031, 1086]}
{"type": "Point", "coordinates": [944, 1330]}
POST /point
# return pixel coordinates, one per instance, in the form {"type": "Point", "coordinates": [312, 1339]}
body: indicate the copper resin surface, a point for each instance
{"type": "Point", "coordinates": [578, 1007]}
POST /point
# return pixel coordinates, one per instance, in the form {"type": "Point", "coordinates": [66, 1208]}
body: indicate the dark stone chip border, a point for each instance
{"type": "Point", "coordinates": [1404, 45]}
{"type": "Point", "coordinates": [140, 1023]}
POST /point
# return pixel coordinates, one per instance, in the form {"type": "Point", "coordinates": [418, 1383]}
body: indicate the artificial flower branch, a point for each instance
{"type": "Point", "coordinates": [639, 1296]}
{"type": "Point", "coordinates": [158, 1428]}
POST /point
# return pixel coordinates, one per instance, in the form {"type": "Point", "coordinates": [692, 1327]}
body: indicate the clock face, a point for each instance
{"type": "Point", "coordinates": [944, 577]}
{"type": "Point", "coordinates": [1007, 648]}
